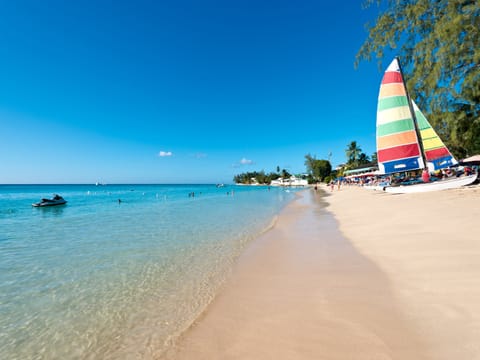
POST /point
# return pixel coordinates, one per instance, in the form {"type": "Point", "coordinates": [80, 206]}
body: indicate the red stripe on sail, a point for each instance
{"type": "Point", "coordinates": [392, 77]}
{"type": "Point", "coordinates": [398, 152]}
{"type": "Point", "coordinates": [436, 153]}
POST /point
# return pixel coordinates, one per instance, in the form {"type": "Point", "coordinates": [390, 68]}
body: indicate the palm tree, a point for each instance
{"type": "Point", "coordinates": [310, 164]}
{"type": "Point", "coordinates": [285, 174]}
{"type": "Point", "coordinates": [363, 159]}
{"type": "Point", "coordinates": [352, 152]}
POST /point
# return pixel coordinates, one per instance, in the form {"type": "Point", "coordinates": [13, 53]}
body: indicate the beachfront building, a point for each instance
{"type": "Point", "coordinates": [291, 181]}
{"type": "Point", "coordinates": [361, 174]}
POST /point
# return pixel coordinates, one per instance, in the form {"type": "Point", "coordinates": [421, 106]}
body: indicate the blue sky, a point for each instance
{"type": "Point", "coordinates": [180, 91]}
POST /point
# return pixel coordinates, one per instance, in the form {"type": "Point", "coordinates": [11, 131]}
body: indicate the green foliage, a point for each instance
{"type": "Point", "coordinates": [285, 174]}
{"type": "Point", "coordinates": [439, 45]}
{"type": "Point", "coordinates": [317, 169]}
{"type": "Point", "coordinates": [363, 159]}
{"type": "Point", "coordinates": [328, 179]}
{"type": "Point", "coordinates": [352, 152]}
{"type": "Point", "coordinates": [255, 177]}
{"type": "Point", "coordinates": [355, 156]}
{"type": "Point", "coordinates": [259, 177]}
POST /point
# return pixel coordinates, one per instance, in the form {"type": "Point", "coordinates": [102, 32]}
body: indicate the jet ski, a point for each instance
{"type": "Point", "coordinates": [56, 200]}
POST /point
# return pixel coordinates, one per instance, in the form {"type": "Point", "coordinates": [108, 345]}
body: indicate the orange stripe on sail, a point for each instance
{"type": "Point", "coordinates": [394, 89]}
{"type": "Point", "coordinates": [389, 141]}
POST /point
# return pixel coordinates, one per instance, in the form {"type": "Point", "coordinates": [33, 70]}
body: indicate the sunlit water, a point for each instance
{"type": "Point", "coordinates": [101, 279]}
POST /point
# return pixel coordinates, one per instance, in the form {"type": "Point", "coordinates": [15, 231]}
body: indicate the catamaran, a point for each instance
{"type": "Point", "coordinates": [405, 139]}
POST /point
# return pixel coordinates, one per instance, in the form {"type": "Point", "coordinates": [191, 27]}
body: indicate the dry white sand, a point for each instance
{"type": "Point", "coordinates": [398, 277]}
{"type": "Point", "coordinates": [428, 246]}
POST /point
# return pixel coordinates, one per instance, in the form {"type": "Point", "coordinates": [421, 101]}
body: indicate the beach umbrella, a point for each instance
{"type": "Point", "coordinates": [472, 160]}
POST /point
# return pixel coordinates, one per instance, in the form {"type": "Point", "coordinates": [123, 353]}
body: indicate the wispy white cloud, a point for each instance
{"type": "Point", "coordinates": [200, 155]}
{"type": "Point", "coordinates": [245, 161]}
{"type": "Point", "coordinates": [165, 153]}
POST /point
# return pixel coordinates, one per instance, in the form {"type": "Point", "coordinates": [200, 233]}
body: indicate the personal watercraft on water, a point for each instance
{"type": "Point", "coordinates": [56, 200]}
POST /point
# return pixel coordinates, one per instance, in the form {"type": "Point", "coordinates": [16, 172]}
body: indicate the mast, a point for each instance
{"type": "Point", "coordinates": [412, 112]}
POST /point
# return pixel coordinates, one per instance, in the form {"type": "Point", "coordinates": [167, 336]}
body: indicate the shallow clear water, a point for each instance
{"type": "Point", "coordinates": [101, 279]}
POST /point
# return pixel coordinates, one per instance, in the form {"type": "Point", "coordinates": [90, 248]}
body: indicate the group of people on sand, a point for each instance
{"type": "Point", "coordinates": [439, 174]}
{"type": "Point", "coordinates": [405, 178]}
{"type": "Point", "coordinates": [333, 183]}
{"type": "Point", "coordinates": [411, 177]}
{"type": "Point", "coordinates": [446, 173]}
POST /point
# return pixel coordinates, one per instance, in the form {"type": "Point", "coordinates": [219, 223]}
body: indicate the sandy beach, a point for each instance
{"type": "Point", "coordinates": [353, 274]}
{"type": "Point", "coordinates": [428, 246]}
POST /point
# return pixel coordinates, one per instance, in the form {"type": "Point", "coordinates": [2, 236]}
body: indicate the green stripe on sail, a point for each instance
{"type": "Point", "coordinates": [392, 102]}
{"type": "Point", "coordinates": [422, 120]}
{"type": "Point", "coordinates": [395, 127]}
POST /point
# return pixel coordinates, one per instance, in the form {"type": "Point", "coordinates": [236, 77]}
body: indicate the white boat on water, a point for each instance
{"type": "Point", "coordinates": [405, 139]}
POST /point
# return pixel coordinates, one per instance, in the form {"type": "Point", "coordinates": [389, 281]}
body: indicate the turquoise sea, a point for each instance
{"type": "Point", "coordinates": [99, 279]}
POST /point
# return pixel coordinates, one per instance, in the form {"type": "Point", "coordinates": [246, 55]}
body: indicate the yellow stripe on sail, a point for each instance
{"type": "Point", "coordinates": [389, 141]}
{"type": "Point", "coordinates": [389, 115]}
{"type": "Point", "coordinates": [428, 133]}
{"type": "Point", "coordinates": [433, 143]}
{"type": "Point", "coordinates": [394, 89]}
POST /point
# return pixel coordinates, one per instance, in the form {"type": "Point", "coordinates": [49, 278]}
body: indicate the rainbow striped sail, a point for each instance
{"type": "Point", "coordinates": [397, 141]}
{"type": "Point", "coordinates": [436, 153]}
{"type": "Point", "coordinates": [398, 146]}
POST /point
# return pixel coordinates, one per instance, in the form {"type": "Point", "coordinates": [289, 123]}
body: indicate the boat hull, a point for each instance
{"type": "Point", "coordinates": [45, 204]}
{"type": "Point", "coordinates": [374, 187]}
{"type": "Point", "coordinates": [452, 183]}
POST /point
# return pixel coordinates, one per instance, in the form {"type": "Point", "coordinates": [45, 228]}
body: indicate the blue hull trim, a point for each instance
{"type": "Point", "coordinates": [442, 163]}
{"type": "Point", "coordinates": [402, 165]}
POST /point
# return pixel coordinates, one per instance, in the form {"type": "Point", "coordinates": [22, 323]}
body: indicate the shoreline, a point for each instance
{"type": "Point", "coordinates": [301, 290]}
{"type": "Point", "coordinates": [119, 288]}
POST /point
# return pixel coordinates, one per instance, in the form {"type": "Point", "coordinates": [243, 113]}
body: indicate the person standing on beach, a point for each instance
{"type": "Point", "coordinates": [425, 176]}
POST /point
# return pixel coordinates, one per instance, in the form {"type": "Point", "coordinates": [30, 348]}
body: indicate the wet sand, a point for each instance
{"type": "Point", "coordinates": [302, 291]}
